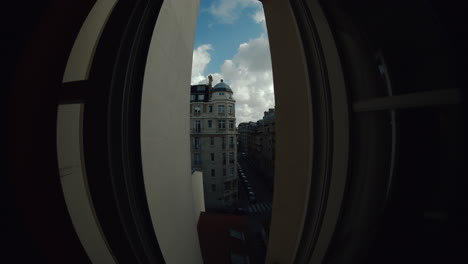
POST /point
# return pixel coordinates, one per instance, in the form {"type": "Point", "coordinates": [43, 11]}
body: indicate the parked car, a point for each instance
{"type": "Point", "coordinates": [239, 211]}
{"type": "Point", "coordinates": [252, 197]}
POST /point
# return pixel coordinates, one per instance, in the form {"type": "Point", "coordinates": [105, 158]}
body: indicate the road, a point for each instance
{"type": "Point", "coordinates": [258, 213]}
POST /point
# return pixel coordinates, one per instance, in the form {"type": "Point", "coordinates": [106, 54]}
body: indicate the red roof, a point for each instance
{"type": "Point", "coordinates": [215, 241]}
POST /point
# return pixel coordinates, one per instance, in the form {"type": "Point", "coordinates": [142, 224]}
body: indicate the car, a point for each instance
{"type": "Point", "coordinates": [240, 171]}
{"type": "Point", "coordinates": [252, 197]}
{"type": "Point", "coordinates": [249, 188]}
{"type": "Point", "coordinates": [245, 181]}
{"type": "Point", "coordinates": [243, 177]}
{"type": "Point", "coordinates": [239, 211]}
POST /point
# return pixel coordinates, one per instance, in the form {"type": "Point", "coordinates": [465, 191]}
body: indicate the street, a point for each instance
{"type": "Point", "coordinates": [259, 213]}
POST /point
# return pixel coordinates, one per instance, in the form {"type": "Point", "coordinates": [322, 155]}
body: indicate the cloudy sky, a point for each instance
{"type": "Point", "coordinates": [231, 43]}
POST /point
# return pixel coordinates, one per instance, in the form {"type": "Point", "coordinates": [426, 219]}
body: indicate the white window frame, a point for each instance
{"type": "Point", "coordinates": [221, 108]}
{"type": "Point", "coordinates": [222, 124]}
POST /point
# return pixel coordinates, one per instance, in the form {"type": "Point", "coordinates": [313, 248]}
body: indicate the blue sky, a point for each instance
{"type": "Point", "coordinates": [231, 43]}
{"type": "Point", "coordinates": [225, 34]}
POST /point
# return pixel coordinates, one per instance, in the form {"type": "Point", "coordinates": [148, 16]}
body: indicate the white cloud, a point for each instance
{"type": "Point", "coordinates": [228, 11]}
{"type": "Point", "coordinates": [248, 73]}
{"type": "Point", "coordinates": [250, 77]}
{"type": "Point", "coordinates": [259, 16]}
{"type": "Point", "coordinates": [201, 58]}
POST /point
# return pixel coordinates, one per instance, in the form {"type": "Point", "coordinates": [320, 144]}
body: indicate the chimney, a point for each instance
{"type": "Point", "coordinates": [210, 81]}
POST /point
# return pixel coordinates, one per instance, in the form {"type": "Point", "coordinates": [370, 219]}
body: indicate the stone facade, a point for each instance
{"type": "Point", "coordinates": [257, 141]}
{"type": "Point", "coordinates": [214, 143]}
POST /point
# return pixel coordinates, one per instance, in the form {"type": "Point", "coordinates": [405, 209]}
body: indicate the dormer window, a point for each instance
{"type": "Point", "coordinates": [221, 93]}
{"type": "Point", "coordinates": [201, 97]}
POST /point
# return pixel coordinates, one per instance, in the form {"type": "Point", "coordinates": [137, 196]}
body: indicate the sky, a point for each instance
{"type": "Point", "coordinates": [231, 43]}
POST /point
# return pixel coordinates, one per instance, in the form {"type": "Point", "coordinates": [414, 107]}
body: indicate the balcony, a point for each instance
{"type": "Point", "coordinates": [198, 146]}
{"type": "Point", "coordinates": [196, 131]}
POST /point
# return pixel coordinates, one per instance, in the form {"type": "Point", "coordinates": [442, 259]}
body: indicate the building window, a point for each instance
{"type": "Point", "coordinates": [201, 88]}
{"type": "Point", "coordinates": [221, 124]}
{"type": "Point", "coordinates": [239, 259]}
{"type": "Point", "coordinates": [231, 157]}
{"type": "Point", "coordinates": [231, 124]}
{"type": "Point", "coordinates": [224, 171]}
{"type": "Point", "coordinates": [196, 159]}
{"type": "Point", "coordinates": [213, 174]}
{"type": "Point", "coordinates": [224, 158]}
{"type": "Point", "coordinates": [212, 156]}
{"type": "Point", "coordinates": [221, 93]}
{"type": "Point", "coordinates": [196, 142]}
{"type": "Point", "coordinates": [210, 108]}
{"type": "Point", "coordinates": [213, 187]}
{"type": "Point", "coordinates": [192, 97]}
{"type": "Point", "coordinates": [197, 109]}
{"type": "Point", "coordinates": [210, 123]}
{"type": "Point", "coordinates": [221, 109]}
{"type": "Point", "coordinates": [227, 186]}
{"type": "Point", "coordinates": [223, 142]}
{"type": "Point", "coordinates": [230, 109]}
{"type": "Point", "coordinates": [231, 141]}
{"type": "Point", "coordinates": [197, 126]}
{"type": "Point", "coordinates": [231, 172]}
{"type": "Point", "coordinates": [201, 97]}
{"type": "Point", "coordinates": [212, 141]}
{"type": "Point", "coordinates": [236, 234]}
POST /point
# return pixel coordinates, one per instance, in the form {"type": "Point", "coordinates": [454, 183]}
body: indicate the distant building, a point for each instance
{"type": "Point", "coordinates": [257, 140]}
{"type": "Point", "coordinates": [214, 142]}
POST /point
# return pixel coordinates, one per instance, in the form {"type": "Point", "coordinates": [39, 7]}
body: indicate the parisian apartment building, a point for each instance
{"type": "Point", "coordinates": [257, 144]}
{"type": "Point", "coordinates": [214, 142]}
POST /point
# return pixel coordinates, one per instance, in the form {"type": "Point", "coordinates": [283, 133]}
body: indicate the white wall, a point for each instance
{"type": "Point", "coordinates": [198, 194]}
{"type": "Point", "coordinates": [165, 132]}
